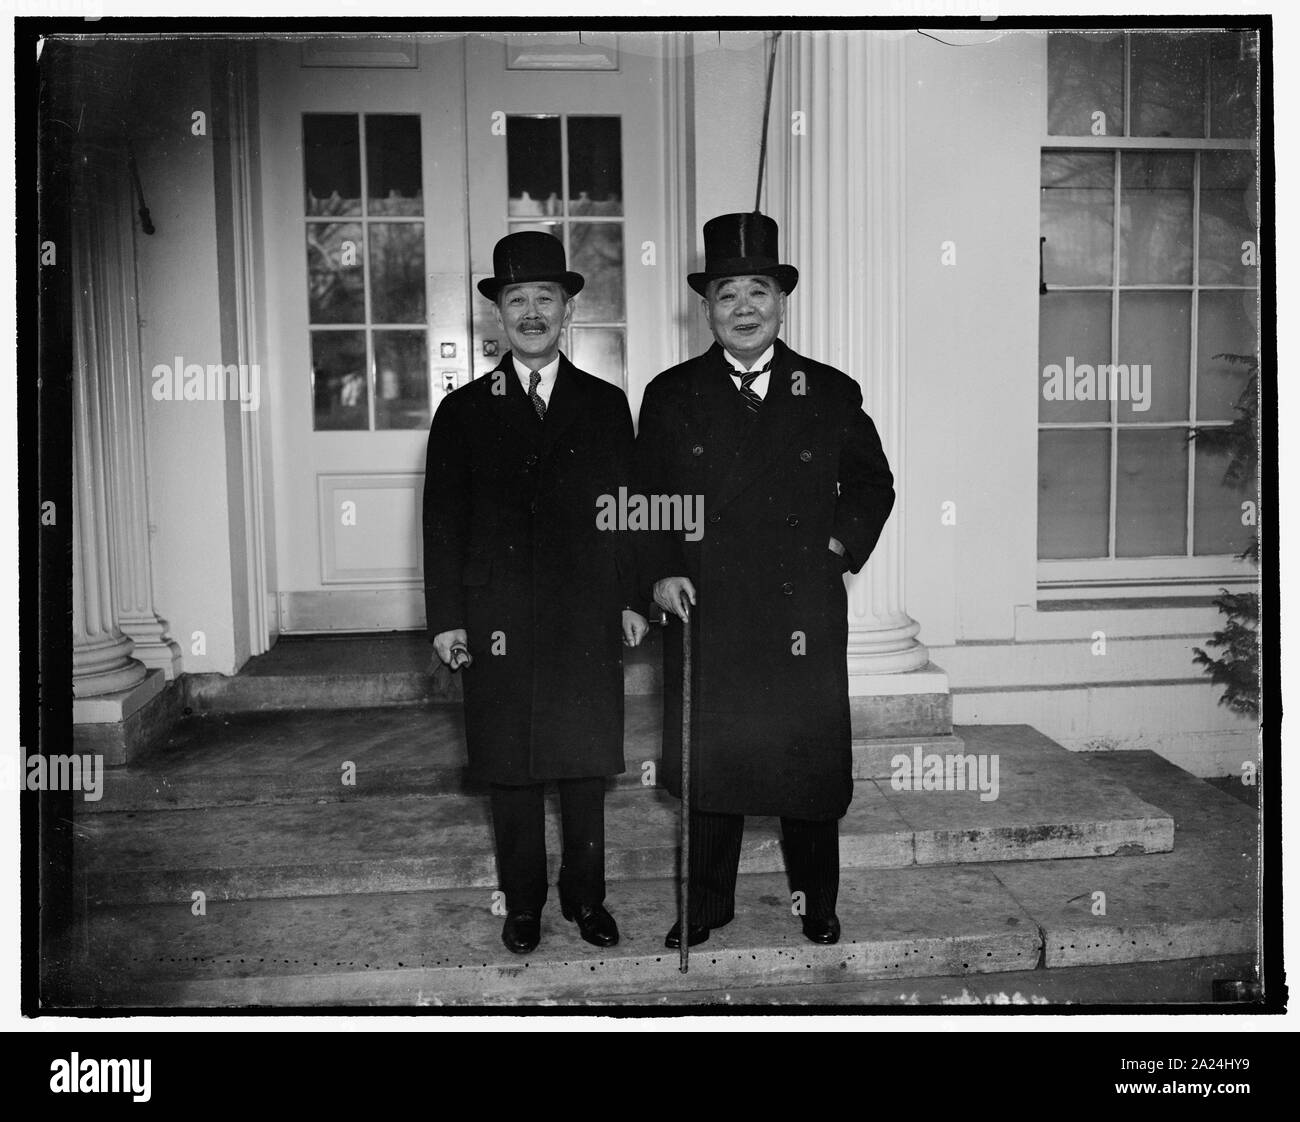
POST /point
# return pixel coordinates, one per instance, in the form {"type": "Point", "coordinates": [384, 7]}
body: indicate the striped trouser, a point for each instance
{"type": "Point", "coordinates": [812, 862]}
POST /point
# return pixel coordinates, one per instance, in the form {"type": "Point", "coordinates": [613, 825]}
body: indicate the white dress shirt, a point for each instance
{"type": "Point", "coordinates": [759, 384]}
{"type": "Point", "coordinates": [548, 373]}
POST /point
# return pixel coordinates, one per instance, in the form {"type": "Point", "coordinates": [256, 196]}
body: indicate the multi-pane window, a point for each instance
{"type": "Point", "coordinates": [565, 176]}
{"type": "Point", "coordinates": [1149, 277]}
{"type": "Point", "coordinates": [364, 209]}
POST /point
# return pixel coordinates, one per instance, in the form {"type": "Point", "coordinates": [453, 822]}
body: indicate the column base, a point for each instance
{"type": "Point", "coordinates": [152, 646]}
{"type": "Point", "coordinates": [916, 703]}
{"type": "Point", "coordinates": [164, 655]}
{"type": "Point", "coordinates": [121, 726]}
{"type": "Point", "coordinates": [870, 659]}
{"type": "Point", "coordinates": [104, 666]}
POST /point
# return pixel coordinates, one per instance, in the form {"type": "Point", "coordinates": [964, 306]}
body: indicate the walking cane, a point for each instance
{"type": "Point", "coordinates": [684, 827]}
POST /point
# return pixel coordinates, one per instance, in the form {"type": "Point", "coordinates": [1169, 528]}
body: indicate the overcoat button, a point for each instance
{"type": "Point", "coordinates": [805, 455]}
{"type": "Point", "coordinates": [792, 520]}
{"type": "Point", "coordinates": [715, 518]}
{"type": "Point", "coordinates": [698, 450]}
{"type": "Point", "coordinates": [531, 461]}
{"type": "Point", "coordinates": [788, 588]}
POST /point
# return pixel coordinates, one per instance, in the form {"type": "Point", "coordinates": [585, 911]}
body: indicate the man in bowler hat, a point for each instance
{"type": "Point", "coordinates": [525, 594]}
{"type": "Point", "coordinates": [796, 491]}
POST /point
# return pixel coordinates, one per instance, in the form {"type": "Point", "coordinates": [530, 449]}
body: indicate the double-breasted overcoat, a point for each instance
{"type": "Point", "coordinates": [771, 731]}
{"type": "Point", "coordinates": [512, 554]}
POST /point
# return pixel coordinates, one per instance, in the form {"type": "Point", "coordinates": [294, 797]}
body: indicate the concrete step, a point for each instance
{"type": "Point", "coordinates": [286, 756]}
{"type": "Point", "coordinates": [954, 934]}
{"type": "Point", "coordinates": [1050, 804]}
{"type": "Point", "coordinates": [362, 671]}
{"type": "Point", "coordinates": [1214, 979]}
{"type": "Point", "coordinates": [427, 948]}
{"type": "Point", "coordinates": [1201, 898]}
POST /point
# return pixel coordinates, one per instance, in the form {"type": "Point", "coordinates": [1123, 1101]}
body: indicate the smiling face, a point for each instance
{"type": "Point", "coordinates": [745, 314]}
{"type": "Point", "coordinates": [533, 316]}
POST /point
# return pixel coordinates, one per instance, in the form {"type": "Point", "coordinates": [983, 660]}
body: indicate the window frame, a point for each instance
{"type": "Point", "coordinates": [567, 221]}
{"type": "Point", "coordinates": [1178, 574]}
{"type": "Point", "coordinates": [364, 219]}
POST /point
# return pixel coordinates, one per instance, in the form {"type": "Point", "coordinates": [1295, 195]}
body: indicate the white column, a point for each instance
{"type": "Point", "coordinates": [101, 653]}
{"type": "Point", "coordinates": [835, 184]}
{"type": "Point", "coordinates": [122, 385]}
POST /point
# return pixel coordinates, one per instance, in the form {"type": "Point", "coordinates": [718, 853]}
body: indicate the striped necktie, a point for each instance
{"type": "Point", "coordinates": [747, 391]}
{"type": "Point", "coordinates": [534, 380]}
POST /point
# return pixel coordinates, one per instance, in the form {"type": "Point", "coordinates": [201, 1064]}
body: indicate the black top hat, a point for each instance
{"type": "Point", "coordinates": [742, 245]}
{"type": "Point", "coordinates": [528, 257]}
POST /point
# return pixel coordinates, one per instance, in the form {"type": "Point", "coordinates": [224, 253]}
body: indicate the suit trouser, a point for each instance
{"type": "Point", "coordinates": [812, 861]}
{"type": "Point", "coordinates": [519, 825]}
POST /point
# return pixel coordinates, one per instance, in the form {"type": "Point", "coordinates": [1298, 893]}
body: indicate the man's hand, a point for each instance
{"type": "Point", "coordinates": [635, 626]}
{"type": "Point", "coordinates": [676, 595]}
{"type": "Point", "coordinates": [836, 546]}
{"type": "Point", "coordinates": [452, 644]}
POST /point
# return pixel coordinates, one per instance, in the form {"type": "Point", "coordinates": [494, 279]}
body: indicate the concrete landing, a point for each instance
{"type": "Point", "coordinates": [958, 934]}
{"type": "Point", "coordinates": [1050, 804]}
{"type": "Point", "coordinates": [350, 671]}
{"type": "Point", "coordinates": [282, 756]}
{"type": "Point", "coordinates": [1204, 894]}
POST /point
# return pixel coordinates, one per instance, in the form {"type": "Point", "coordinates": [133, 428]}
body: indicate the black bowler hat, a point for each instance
{"type": "Point", "coordinates": [742, 245]}
{"type": "Point", "coordinates": [529, 257]}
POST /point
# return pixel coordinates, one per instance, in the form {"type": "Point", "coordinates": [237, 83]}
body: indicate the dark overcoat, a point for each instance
{"type": "Point", "coordinates": [770, 629]}
{"type": "Point", "coordinates": [513, 555]}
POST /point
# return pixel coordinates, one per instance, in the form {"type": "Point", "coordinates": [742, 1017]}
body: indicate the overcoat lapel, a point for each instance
{"type": "Point", "coordinates": [786, 416]}
{"type": "Point", "coordinates": [719, 421]}
{"type": "Point", "coordinates": [516, 410]}
{"type": "Point", "coordinates": [565, 406]}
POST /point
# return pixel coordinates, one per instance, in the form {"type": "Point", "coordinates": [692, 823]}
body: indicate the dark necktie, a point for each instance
{"type": "Point", "coordinates": [747, 391]}
{"type": "Point", "coordinates": [534, 380]}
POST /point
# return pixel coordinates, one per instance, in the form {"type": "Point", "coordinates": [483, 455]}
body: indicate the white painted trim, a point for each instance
{"type": "Point", "coordinates": [1136, 575]}
{"type": "Point", "coordinates": [678, 196]}
{"type": "Point", "coordinates": [575, 51]}
{"type": "Point", "coordinates": [244, 197]}
{"type": "Point", "coordinates": [347, 610]}
{"type": "Point", "coordinates": [396, 54]}
{"type": "Point", "coordinates": [1149, 143]}
{"type": "Point", "coordinates": [1033, 625]}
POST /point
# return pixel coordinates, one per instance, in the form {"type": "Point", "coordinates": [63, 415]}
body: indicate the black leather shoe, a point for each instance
{"type": "Point", "coordinates": [521, 932]}
{"type": "Point", "coordinates": [595, 924]}
{"type": "Point", "coordinates": [824, 929]}
{"type": "Point", "coordinates": [696, 933]}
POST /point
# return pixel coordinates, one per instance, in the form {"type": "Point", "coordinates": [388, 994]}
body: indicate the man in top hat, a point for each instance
{"type": "Point", "coordinates": [796, 490]}
{"type": "Point", "coordinates": [526, 594]}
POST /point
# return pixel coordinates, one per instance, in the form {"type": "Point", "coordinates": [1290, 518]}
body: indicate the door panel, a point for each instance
{"type": "Point", "coordinates": [366, 257]}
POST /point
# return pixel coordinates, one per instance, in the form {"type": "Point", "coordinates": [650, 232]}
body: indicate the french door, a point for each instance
{"type": "Point", "coordinates": [390, 168]}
